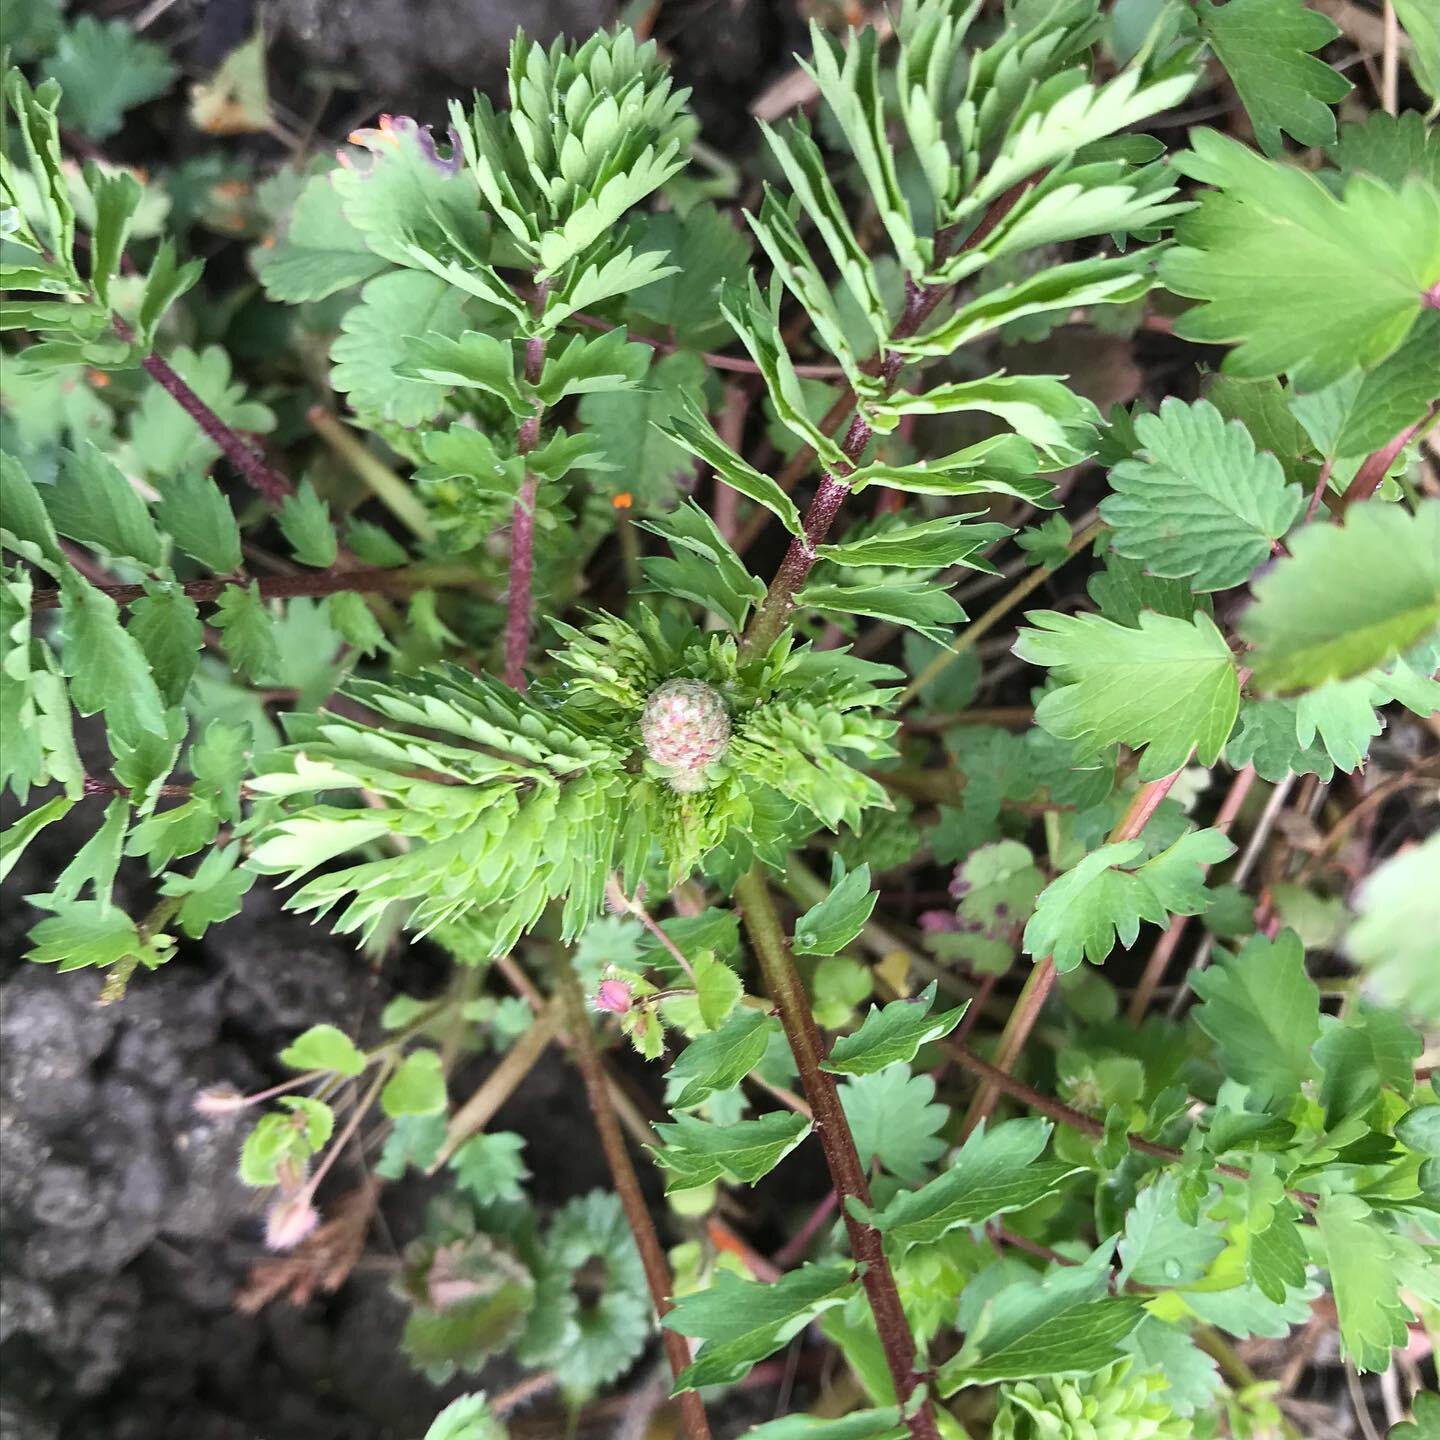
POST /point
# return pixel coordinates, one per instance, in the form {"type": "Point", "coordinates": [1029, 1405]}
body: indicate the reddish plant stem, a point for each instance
{"type": "Point", "coordinates": [1169, 942]}
{"type": "Point", "coordinates": [800, 557]}
{"type": "Point", "coordinates": [1037, 987]}
{"type": "Point", "coordinates": [244, 457]}
{"type": "Point", "coordinates": [847, 1173]}
{"type": "Point", "coordinates": [627, 1186]}
{"type": "Point", "coordinates": [522, 527]}
{"type": "Point", "coordinates": [1372, 472]}
{"type": "Point", "coordinates": [272, 587]}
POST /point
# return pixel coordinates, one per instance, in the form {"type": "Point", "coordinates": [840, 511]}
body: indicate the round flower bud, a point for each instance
{"type": "Point", "coordinates": [686, 728]}
{"type": "Point", "coordinates": [289, 1221]}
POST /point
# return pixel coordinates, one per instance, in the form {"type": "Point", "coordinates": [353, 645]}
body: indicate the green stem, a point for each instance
{"type": "Point", "coordinates": [847, 1174]}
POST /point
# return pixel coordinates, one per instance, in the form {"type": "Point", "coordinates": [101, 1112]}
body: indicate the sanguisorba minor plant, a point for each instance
{"type": "Point", "coordinates": [475, 748]}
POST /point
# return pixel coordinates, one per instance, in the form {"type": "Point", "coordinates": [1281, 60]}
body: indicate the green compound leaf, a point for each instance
{"type": "Point", "coordinates": [893, 1035]}
{"type": "Point", "coordinates": [950, 540]}
{"type": "Point", "coordinates": [416, 1088]}
{"type": "Point", "coordinates": [895, 1120]}
{"type": "Point", "coordinates": [95, 504]}
{"type": "Point", "coordinates": [323, 1047]}
{"type": "Point", "coordinates": [720, 1060]}
{"type": "Point", "coordinates": [996, 1171]}
{"type": "Point", "coordinates": [1203, 502]}
{"type": "Point", "coordinates": [198, 518]}
{"type": "Point", "coordinates": [305, 523]}
{"type": "Point", "coordinates": [1348, 598]}
{"type": "Point", "coordinates": [1169, 685]}
{"type": "Point", "coordinates": [1304, 282]}
{"type": "Point", "coordinates": [1393, 936]}
{"type": "Point", "coordinates": [881, 1424]}
{"type": "Point", "coordinates": [1159, 1246]}
{"type": "Point", "coordinates": [105, 69]}
{"type": "Point", "coordinates": [1263, 1013]}
{"type": "Point", "coordinates": [489, 1166]}
{"type": "Point", "coordinates": [1082, 914]}
{"type": "Point", "coordinates": [248, 630]}
{"type": "Point", "coordinates": [320, 253]}
{"type": "Point", "coordinates": [696, 1152]}
{"type": "Point", "coordinates": [468, 1418]}
{"type": "Point", "coordinates": [1361, 1256]}
{"type": "Point", "coordinates": [743, 1321]}
{"type": "Point", "coordinates": [1265, 45]}
{"type": "Point", "coordinates": [831, 924]}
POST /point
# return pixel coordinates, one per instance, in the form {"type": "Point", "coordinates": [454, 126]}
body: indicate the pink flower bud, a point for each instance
{"type": "Point", "coordinates": [686, 727]}
{"type": "Point", "coordinates": [288, 1222]}
{"type": "Point", "coordinates": [614, 996]}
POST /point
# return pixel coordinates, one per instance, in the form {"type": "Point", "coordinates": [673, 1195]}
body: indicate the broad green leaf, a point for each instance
{"type": "Point", "coordinates": [323, 1047]}
{"type": "Point", "coordinates": [892, 1035]}
{"type": "Point", "coordinates": [1168, 686]}
{"type": "Point", "coordinates": [695, 1152]}
{"type": "Point", "coordinates": [248, 630]}
{"type": "Point", "coordinates": [373, 347]}
{"type": "Point", "coordinates": [1263, 1013]}
{"type": "Point", "coordinates": [1080, 915]}
{"type": "Point", "coordinates": [416, 1088]}
{"type": "Point", "coordinates": [305, 523]}
{"type": "Point", "coordinates": [705, 249]}
{"type": "Point", "coordinates": [1061, 1323]}
{"type": "Point", "coordinates": [894, 1120]}
{"type": "Point", "coordinates": [720, 1060]}
{"type": "Point", "coordinates": [1360, 1255]}
{"type": "Point", "coordinates": [717, 989]}
{"type": "Point", "coordinates": [415, 1140]}
{"type": "Point", "coordinates": [1201, 501]}
{"type": "Point", "coordinates": [468, 1418]}
{"type": "Point", "coordinates": [1393, 936]}
{"type": "Point", "coordinates": [107, 669]}
{"type": "Point", "coordinates": [1303, 281]}
{"type": "Point", "coordinates": [320, 252]}
{"type": "Point", "coordinates": [996, 1171]}
{"type": "Point", "coordinates": [474, 360]}
{"type": "Point", "coordinates": [1422, 25]}
{"type": "Point", "coordinates": [166, 625]}
{"type": "Point", "coordinates": [743, 1321]}
{"type": "Point", "coordinates": [1367, 1051]}
{"type": "Point", "coordinates": [1159, 1247]}
{"type": "Point", "coordinates": [25, 524]}
{"type": "Point", "coordinates": [1348, 597]}
{"type": "Point", "coordinates": [931, 544]}
{"type": "Point", "coordinates": [212, 894]}
{"type": "Point", "coordinates": [832, 923]}
{"type": "Point", "coordinates": [631, 429]}
{"type": "Point", "coordinates": [86, 933]}
{"type": "Point", "coordinates": [489, 1166]}
{"type": "Point", "coordinates": [1265, 46]}
{"type": "Point", "coordinates": [105, 69]}
{"type": "Point", "coordinates": [881, 1424]}
{"type": "Point", "coordinates": [199, 519]}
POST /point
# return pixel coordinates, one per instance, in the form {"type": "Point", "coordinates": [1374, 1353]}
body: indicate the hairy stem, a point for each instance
{"type": "Point", "coordinates": [244, 457]}
{"type": "Point", "coordinates": [627, 1185]}
{"type": "Point", "coordinates": [522, 523]}
{"type": "Point", "coordinates": [1037, 987]}
{"type": "Point", "coordinates": [1372, 471]}
{"type": "Point", "coordinates": [847, 1174]}
{"type": "Point", "coordinates": [800, 557]}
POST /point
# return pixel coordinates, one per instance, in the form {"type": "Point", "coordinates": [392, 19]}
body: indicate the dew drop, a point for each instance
{"type": "Point", "coordinates": [1172, 1270]}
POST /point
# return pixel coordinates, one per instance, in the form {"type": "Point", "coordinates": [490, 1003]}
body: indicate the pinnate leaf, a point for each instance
{"type": "Point", "coordinates": [832, 923]}
{"type": "Point", "coordinates": [696, 1152]}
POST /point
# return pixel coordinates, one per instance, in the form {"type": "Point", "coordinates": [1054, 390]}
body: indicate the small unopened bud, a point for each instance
{"type": "Point", "coordinates": [686, 728]}
{"type": "Point", "coordinates": [614, 997]}
{"type": "Point", "coordinates": [219, 1100]}
{"type": "Point", "coordinates": [289, 1221]}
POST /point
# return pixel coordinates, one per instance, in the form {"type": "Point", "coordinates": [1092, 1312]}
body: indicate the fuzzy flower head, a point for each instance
{"type": "Point", "coordinates": [289, 1221]}
{"type": "Point", "coordinates": [614, 996]}
{"type": "Point", "coordinates": [686, 728]}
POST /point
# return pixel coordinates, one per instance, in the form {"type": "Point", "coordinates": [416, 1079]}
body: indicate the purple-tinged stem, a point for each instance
{"type": "Point", "coordinates": [522, 530]}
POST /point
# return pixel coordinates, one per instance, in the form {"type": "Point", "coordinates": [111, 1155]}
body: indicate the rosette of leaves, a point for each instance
{"type": "Point", "coordinates": [483, 801]}
{"type": "Point", "coordinates": [1112, 1404]}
